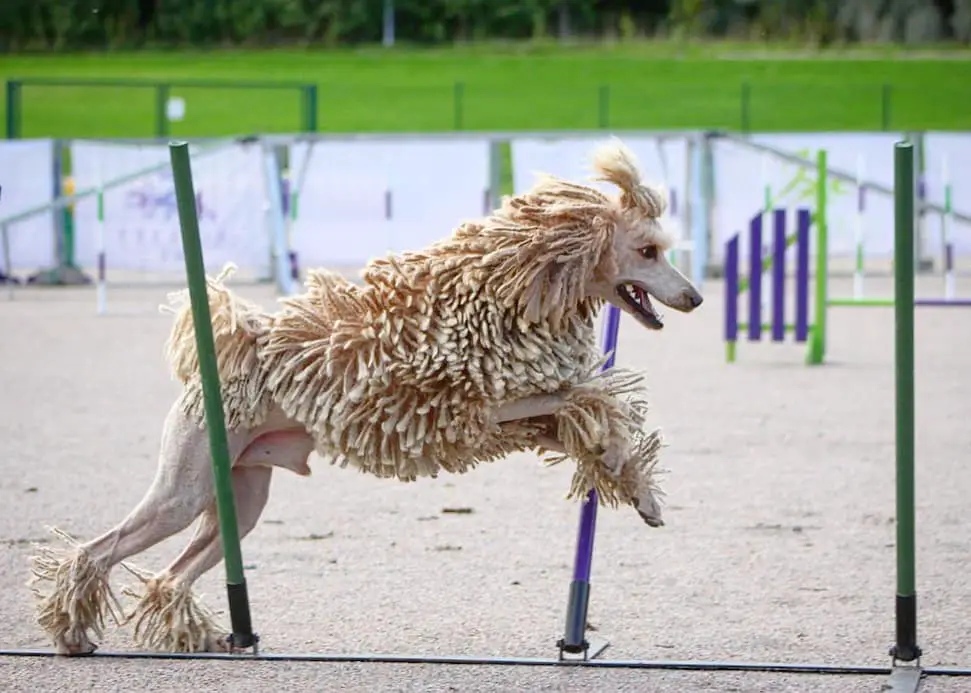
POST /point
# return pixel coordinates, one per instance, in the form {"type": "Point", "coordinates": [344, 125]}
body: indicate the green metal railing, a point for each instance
{"type": "Point", "coordinates": [68, 108]}
{"type": "Point", "coordinates": [161, 91]}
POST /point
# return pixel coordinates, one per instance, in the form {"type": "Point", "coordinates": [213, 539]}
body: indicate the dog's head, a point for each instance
{"type": "Point", "coordinates": [638, 269]}
{"type": "Point", "coordinates": [566, 246]}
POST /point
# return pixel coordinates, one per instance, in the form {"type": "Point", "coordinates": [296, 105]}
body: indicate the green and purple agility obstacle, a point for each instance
{"type": "Point", "coordinates": [811, 332]}
{"type": "Point", "coordinates": [809, 324]}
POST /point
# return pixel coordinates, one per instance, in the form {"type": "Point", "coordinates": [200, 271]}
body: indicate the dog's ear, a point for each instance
{"type": "Point", "coordinates": [546, 276]}
{"type": "Point", "coordinates": [615, 163]}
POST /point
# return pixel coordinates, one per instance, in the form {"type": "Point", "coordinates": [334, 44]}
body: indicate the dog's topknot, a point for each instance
{"type": "Point", "coordinates": [614, 163]}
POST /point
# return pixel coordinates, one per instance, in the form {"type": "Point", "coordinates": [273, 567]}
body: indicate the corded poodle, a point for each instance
{"type": "Point", "coordinates": [477, 346]}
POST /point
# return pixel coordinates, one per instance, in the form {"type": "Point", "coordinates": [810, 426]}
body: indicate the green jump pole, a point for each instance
{"type": "Point", "coordinates": [239, 611]}
{"type": "Point", "coordinates": [817, 337]}
{"type": "Point", "coordinates": [906, 648]}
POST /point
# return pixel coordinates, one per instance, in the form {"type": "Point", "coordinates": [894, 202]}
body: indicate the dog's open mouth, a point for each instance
{"type": "Point", "coordinates": [640, 303]}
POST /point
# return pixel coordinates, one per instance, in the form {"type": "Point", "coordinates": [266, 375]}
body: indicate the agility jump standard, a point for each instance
{"type": "Point", "coordinates": [805, 331]}
{"type": "Point", "coordinates": [810, 324]}
{"type": "Point", "coordinates": [903, 678]}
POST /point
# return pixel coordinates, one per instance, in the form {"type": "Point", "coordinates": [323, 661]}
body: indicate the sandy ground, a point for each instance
{"type": "Point", "coordinates": [779, 544]}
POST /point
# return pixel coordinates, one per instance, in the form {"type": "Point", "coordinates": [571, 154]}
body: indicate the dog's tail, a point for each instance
{"type": "Point", "coordinates": [237, 327]}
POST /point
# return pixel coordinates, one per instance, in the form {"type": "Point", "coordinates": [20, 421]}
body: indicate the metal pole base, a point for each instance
{"type": "Point", "coordinates": [62, 275]}
{"type": "Point", "coordinates": [242, 637]}
{"type": "Point", "coordinates": [237, 643]}
{"type": "Point", "coordinates": [904, 679]}
{"type": "Point", "coordinates": [588, 649]}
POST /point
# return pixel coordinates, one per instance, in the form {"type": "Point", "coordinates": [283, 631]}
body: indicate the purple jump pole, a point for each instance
{"type": "Point", "coordinates": [755, 279]}
{"type": "Point", "coordinates": [943, 302]}
{"type": "Point", "coordinates": [779, 277]}
{"type": "Point", "coordinates": [804, 221]}
{"type": "Point", "coordinates": [574, 640]}
{"type": "Point", "coordinates": [731, 290]}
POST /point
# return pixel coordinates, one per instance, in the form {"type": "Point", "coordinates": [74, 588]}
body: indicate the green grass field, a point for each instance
{"type": "Point", "coordinates": [515, 87]}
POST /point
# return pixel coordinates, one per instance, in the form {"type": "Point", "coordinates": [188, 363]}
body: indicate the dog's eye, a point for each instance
{"type": "Point", "coordinates": [649, 252]}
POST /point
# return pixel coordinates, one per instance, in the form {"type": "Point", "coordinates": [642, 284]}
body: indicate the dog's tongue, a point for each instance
{"type": "Point", "coordinates": [648, 308]}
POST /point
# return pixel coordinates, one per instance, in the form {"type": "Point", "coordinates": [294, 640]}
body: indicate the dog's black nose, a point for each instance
{"type": "Point", "coordinates": [695, 298]}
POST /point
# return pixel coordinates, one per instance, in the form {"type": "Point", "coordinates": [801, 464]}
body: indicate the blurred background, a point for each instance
{"type": "Point", "coordinates": [326, 132]}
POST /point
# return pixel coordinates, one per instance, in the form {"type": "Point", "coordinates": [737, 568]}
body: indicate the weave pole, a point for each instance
{"type": "Point", "coordinates": [574, 640]}
{"type": "Point", "coordinates": [242, 636]}
{"type": "Point", "coordinates": [905, 649]}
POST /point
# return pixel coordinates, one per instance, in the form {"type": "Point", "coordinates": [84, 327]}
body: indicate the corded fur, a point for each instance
{"type": "Point", "coordinates": [401, 377]}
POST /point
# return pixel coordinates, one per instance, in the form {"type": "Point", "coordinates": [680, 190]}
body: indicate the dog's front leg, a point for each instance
{"type": "Point", "coordinates": [530, 407]}
{"type": "Point", "coordinates": [643, 500]}
{"type": "Point", "coordinates": [599, 430]}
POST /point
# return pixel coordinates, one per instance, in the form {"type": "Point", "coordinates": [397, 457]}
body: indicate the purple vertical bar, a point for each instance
{"type": "Point", "coordinates": [779, 277]}
{"type": "Point", "coordinates": [588, 513]}
{"type": "Point", "coordinates": [731, 289]}
{"type": "Point", "coordinates": [588, 526]}
{"type": "Point", "coordinates": [285, 192]}
{"type": "Point", "coordinates": [803, 223]}
{"type": "Point", "coordinates": [294, 266]}
{"type": "Point", "coordinates": [755, 279]}
{"type": "Point", "coordinates": [574, 639]}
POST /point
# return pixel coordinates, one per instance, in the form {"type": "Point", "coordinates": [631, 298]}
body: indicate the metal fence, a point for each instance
{"type": "Point", "coordinates": [51, 107]}
{"type": "Point", "coordinates": [66, 107]}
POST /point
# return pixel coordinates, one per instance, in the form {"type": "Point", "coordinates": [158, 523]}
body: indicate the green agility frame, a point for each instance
{"type": "Point", "coordinates": [810, 324]}
{"type": "Point", "coordinates": [809, 331]}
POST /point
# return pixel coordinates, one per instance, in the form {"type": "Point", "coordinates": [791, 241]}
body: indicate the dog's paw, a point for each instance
{"type": "Point", "coordinates": [74, 643]}
{"type": "Point", "coordinates": [649, 510]}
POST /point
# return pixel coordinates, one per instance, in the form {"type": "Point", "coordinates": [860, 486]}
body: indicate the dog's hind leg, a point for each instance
{"type": "Point", "coordinates": [167, 617]}
{"type": "Point", "coordinates": [76, 607]}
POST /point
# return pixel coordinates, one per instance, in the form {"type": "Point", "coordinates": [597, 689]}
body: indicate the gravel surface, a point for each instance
{"type": "Point", "coordinates": [779, 544]}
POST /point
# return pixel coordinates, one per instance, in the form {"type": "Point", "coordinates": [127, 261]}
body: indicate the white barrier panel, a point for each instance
{"type": "Point", "coordinates": [662, 162]}
{"type": "Point", "coordinates": [741, 174]}
{"type": "Point", "coordinates": [948, 154]}
{"type": "Point", "coordinates": [364, 199]}
{"type": "Point", "coordinates": [27, 178]}
{"type": "Point", "coordinates": [141, 217]}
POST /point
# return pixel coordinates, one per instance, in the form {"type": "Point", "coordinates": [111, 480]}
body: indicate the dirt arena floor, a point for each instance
{"type": "Point", "coordinates": [779, 544]}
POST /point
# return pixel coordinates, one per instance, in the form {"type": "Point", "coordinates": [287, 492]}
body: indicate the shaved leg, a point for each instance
{"type": "Point", "coordinates": [181, 490]}
{"type": "Point", "coordinates": [80, 597]}
{"type": "Point", "coordinates": [251, 486]}
{"type": "Point", "coordinates": [529, 407]}
{"type": "Point", "coordinates": [168, 617]}
{"type": "Point", "coordinates": [289, 449]}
